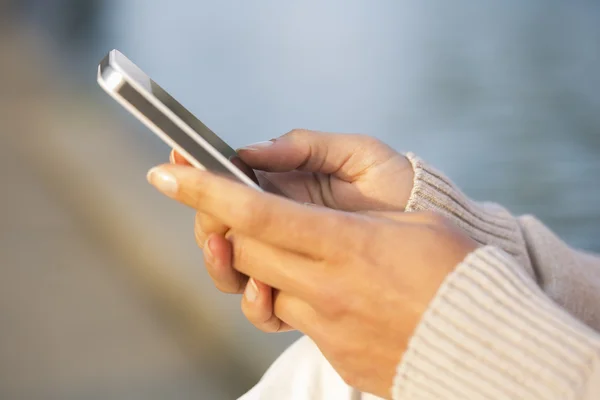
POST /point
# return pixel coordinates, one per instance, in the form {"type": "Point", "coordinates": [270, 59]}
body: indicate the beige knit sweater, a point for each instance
{"type": "Point", "coordinates": [519, 318]}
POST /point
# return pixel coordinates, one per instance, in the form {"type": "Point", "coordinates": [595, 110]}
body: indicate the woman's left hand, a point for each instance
{"type": "Point", "coordinates": [357, 284]}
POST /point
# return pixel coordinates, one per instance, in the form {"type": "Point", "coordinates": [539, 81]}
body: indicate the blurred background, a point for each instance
{"type": "Point", "coordinates": [102, 288]}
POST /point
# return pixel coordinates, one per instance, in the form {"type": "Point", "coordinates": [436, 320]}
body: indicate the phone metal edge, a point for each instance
{"type": "Point", "coordinates": [114, 77]}
{"type": "Point", "coordinates": [111, 81]}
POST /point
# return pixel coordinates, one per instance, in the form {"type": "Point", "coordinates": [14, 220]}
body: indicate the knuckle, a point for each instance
{"type": "Point", "coordinates": [331, 301]}
{"type": "Point", "coordinates": [340, 222]}
{"type": "Point", "coordinates": [209, 224]}
{"type": "Point", "coordinates": [226, 281]}
{"type": "Point", "coordinates": [371, 148]}
{"type": "Point", "coordinates": [355, 232]}
{"type": "Point", "coordinates": [367, 140]}
{"type": "Point", "coordinates": [259, 318]}
{"type": "Point", "coordinates": [260, 217]}
{"type": "Point", "coordinates": [295, 133]}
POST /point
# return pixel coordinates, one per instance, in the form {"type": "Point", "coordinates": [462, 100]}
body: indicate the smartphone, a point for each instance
{"type": "Point", "coordinates": [168, 119]}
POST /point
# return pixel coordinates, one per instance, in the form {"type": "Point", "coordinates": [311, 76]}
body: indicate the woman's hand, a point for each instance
{"type": "Point", "coordinates": [356, 283]}
{"type": "Point", "coordinates": [344, 172]}
{"type": "Point", "coordinates": [339, 171]}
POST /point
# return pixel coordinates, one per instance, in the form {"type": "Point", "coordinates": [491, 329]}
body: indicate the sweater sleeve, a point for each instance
{"type": "Point", "coordinates": [491, 333]}
{"type": "Point", "coordinates": [568, 277]}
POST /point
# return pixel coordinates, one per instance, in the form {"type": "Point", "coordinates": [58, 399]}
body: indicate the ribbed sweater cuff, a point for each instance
{"type": "Point", "coordinates": [490, 333]}
{"type": "Point", "coordinates": [487, 223]}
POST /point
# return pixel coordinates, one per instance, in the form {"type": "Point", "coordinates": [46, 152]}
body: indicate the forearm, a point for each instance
{"type": "Point", "coordinates": [487, 223]}
{"type": "Point", "coordinates": [568, 277]}
{"type": "Point", "coordinates": [492, 333]}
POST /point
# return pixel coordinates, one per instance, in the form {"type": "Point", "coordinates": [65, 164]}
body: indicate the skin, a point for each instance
{"type": "Point", "coordinates": [321, 270]}
{"type": "Point", "coordinates": [344, 172]}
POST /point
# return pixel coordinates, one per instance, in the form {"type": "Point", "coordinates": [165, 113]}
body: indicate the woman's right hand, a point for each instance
{"type": "Point", "coordinates": [339, 171]}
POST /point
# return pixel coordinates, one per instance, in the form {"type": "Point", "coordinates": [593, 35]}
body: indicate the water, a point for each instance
{"type": "Point", "coordinates": [505, 97]}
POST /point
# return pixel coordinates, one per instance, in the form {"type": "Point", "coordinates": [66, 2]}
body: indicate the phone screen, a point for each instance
{"type": "Point", "coordinates": [131, 95]}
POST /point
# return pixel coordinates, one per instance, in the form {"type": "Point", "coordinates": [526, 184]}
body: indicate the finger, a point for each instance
{"type": "Point", "coordinates": [257, 305]}
{"type": "Point", "coordinates": [296, 313]}
{"type": "Point", "coordinates": [275, 267]}
{"type": "Point", "coordinates": [177, 159]}
{"type": "Point", "coordinates": [206, 224]}
{"type": "Point", "coordinates": [294, 185]}
{"type": "Point", "coordinates": [345, 156]}
{"type": "Point", "coordinates": [242, 166]}
{"type": "Point", "coordinates": [313, 231]}
{"type": "Point", "coordinates": [218, 260]}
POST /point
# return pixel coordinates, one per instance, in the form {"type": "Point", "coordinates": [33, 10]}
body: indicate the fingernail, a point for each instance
{"type": "Point", "coordinates": [251, 291]}
{"type": "Point", "coordinates": [163, 181]}
{"type": "Point", "coordinates": [257, 146]}
{"type": "Point", "coordinates": [208, 251]}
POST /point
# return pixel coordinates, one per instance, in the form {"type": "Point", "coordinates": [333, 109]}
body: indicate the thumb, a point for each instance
{"type": "Point", "coordinates": [343, 155]}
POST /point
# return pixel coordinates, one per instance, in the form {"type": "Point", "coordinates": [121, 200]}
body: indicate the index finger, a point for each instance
{"type": "Point", "coordinates": [314, 231]}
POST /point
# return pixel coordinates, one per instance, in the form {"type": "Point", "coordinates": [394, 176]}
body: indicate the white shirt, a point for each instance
{"type": "Point", "coordinates": [302, 373]}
